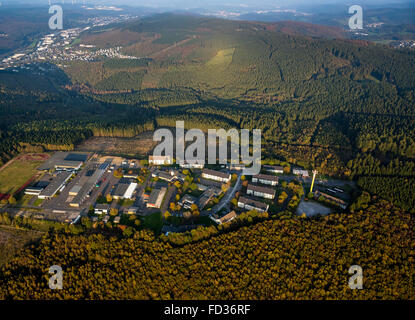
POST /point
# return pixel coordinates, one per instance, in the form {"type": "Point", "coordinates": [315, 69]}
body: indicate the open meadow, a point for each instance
{"type": "Point", "coordinates": [16, 173]}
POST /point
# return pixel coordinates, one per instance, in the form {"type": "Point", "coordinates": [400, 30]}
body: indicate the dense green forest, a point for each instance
{"type": "Point", "coordinates": [292, 258]}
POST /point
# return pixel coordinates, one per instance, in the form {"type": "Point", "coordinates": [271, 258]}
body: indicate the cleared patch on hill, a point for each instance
{"type": "Point", "coordinates": [222, 58]}
{"type": "Point", "coordinates": [138, 146]}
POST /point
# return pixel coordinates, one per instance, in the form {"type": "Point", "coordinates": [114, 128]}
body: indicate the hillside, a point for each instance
{"type": "Point", "coordinates": [344, 107]}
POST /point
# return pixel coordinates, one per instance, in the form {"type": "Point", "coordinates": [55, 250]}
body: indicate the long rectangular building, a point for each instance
{"type": "Point", "coordinates": [265, 179]}
{"type": "Point", "coordinates": [89, 185]}
{"type": "Point", "coordinates": [56, 184]}
{"type": "Point", "coordinates": [262, 192]}
{"type": "Point", "coordinates": [156, 198]}
{"type": "Point", "coordinates": [216, 175]}
{"type": "Point", "coordinates": [250, 204]}
{"type": "Point", "coordinates": [273, 169]}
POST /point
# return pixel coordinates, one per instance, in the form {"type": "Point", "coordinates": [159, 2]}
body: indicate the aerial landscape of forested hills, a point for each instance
{"type": "Point", "coordinates": [344, 107]}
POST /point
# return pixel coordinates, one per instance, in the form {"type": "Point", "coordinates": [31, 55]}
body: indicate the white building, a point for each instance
{"type": "Point", "coordinates": [102, 209]}
{"type": "Point", "coordinates": [250, 204]}
{"type": "Point", "coordinates": [130, 190]}
{"type": "Point", "coordinates": [262, 192]}
{"type": "Point", "coordinates": [216, 175]}
{"type": "Point", "coordinates": [160, 160]}
{"type": "Point", "coordinates": [301, 172]}
{"type": "Point", "coordinates": [273, 169]}
{"type": "Point", "coordinates": [192, 165]}
{"type": "Point", "coordinates": [265, 179]}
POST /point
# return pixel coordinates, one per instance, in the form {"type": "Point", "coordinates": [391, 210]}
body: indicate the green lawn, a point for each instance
{"type": "Point", "coordinates": [17, 174]}
{"type": "Point", "coordinates": [153, 222]}
{"type": "Point", "coordinates": [38, 202]}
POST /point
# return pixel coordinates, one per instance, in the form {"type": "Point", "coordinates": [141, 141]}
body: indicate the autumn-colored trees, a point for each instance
{"type": "Point", "coordinates": [295, 258]}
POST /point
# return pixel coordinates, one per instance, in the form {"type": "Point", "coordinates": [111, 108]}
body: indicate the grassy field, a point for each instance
{"type": "Point", "coordinates": [153, 222]}
{"type": "Point", "coordinates": [17, 174]}
{"type": "Point", "coordinates": [222, 58]}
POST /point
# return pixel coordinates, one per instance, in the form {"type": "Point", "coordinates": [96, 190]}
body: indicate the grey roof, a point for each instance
{"type": "Point", "coordinates": [102, 206]}
{"type": "Point", "coordinates": [76, 188]}
{"type": "Point", "coordinates": [266, 177]}
{"type": "Point", "coordinates": [56, 183]}
{"type": "Point", "coordinates": [253, 203]}
{"type": "Point", "coordinates": [63, 157]}
{"type": "Point", "coordinates": [154, 196]}
{"type": "Point", "coordinates": [120, 189]}
{"type": "Point", "coordinates": [68, 164]}
{"type": "Point", "coordinates": [219, 174]}
{"type": "Point", "coordinates": [261, 189]}
{"type": "Point", "coordinates": [268, 167]}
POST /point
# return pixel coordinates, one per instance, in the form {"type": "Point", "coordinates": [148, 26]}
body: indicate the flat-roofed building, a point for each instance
{"type": "Point", "coordinates": [65, 161]}
{"type": "Point", "coordinates": [250, 204]}
{"type": "Point", "coordinates": [216, 175]}
{"type": "Point", "coordinates": [191, 165]}
{"type": "Point", "coordinates": [163, 175]}
{"type": "Point", "coordinates": [130, 191]}
{"type": "Point", "coordinates": [68, 165]}
{"type": "Point", "coordinates": [262, 192]}
{"type": "Point", "coordinates": [273, 169]}
{"type": "Point", "coordinates": [89, 185]}
{"type": "Point", "coordinates": [265, 179]}
{"type": "Point", "coordinates": [160, 160]}
{"type": "Point", "coordinates": [102, 208]}
{"type": "Point", "coordinates": [301, 172]}
{"type": "Point", "coordinates": [156, 198]}
{"type": "Point", "coordinates": [75, 190]}
{"type": "Point", "coordinates": [120, 190]}
{"type": "Point", "coordinates": [55, 185]}
{"type": "Point", "coordinates": [187, 201]}
{"type": "Point", "coordinates": [33, 191]}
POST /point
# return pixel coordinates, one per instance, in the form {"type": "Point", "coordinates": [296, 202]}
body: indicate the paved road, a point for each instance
{"type": "Point", "coordinates": [230, 194]}
{"type": "Point", "coordinates": [171, 192]}
{"type": "Point", "coordinates": [329, 182]}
